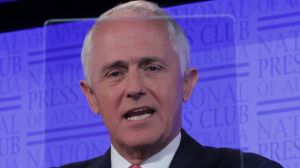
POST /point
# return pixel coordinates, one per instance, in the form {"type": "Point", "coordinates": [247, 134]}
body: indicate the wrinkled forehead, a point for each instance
{"type": "Point", "coordinates": [141, 19]}
{"type": "Point", "coordinates": [132, 23]}
{"type": "Point", "coordinates": [131, 26]}
{"type": "Point", "coordinates": [119, 31]}
{"type": "Point", "coordinates": [131, 13]}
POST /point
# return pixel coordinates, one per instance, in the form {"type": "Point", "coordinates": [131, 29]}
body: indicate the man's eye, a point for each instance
{"type": "Point", "coordinates": [114, 74]}
{"type": "Point", "coordinates": [153, 68]}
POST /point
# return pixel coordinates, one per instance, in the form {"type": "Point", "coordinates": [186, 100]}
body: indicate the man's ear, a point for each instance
{"type": "Point", "coordinates": [190, 80]}
{"type": "Point", "coordinates": [90, 96]}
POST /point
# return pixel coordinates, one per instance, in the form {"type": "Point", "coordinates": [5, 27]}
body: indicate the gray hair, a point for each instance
{"type": "Point", "coordinates": [145, 8]}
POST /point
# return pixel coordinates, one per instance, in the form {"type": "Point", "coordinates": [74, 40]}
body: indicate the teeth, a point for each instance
{"type": "Point", "coordinates": [140, 110]}
{"type": "Point", "coordinates": [141, 117]}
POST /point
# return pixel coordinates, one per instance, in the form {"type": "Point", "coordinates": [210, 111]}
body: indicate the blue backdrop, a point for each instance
{"type": "Point", "coordinates": [248, 95]}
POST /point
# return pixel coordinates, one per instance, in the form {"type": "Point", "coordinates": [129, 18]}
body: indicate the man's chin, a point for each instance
{"type": "Point", "coordinates": [142, 137]}
{"type": "Point", "coordinates": [140, 142]}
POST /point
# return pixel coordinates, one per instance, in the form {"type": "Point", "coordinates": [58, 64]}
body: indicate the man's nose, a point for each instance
{"type": "Point", "coordinates": [135, 86]}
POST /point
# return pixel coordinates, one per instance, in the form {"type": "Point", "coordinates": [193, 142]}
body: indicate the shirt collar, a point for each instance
{"type": "Point", "coordinates": [162, 159]}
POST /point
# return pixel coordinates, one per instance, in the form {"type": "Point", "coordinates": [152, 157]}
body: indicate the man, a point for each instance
{"type": "Point", "coordinates": [137, 77]}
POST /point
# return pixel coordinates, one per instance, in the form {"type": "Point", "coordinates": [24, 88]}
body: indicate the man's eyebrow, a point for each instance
{"type": "Point", "coordinates": [116, 64]}
{"type": "Point", "coordinates": [148, 60]}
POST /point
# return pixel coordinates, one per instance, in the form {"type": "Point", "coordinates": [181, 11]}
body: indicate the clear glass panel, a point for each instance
{"type": "Point", "coordinates": [72, 131]}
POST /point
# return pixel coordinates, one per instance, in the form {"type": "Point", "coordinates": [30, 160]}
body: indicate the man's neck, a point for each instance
{"type": "Point", "coordinates": [139, 154]}
{"type": "Point", "coordinates": [162, 159]}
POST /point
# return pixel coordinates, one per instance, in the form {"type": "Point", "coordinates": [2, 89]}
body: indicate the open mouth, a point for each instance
{"type": "Point", "coordinates": [140, 113]}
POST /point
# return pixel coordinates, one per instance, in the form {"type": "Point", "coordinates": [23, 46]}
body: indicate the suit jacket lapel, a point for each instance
{"type": "Point", "coordinates": [104, 162]}
{"type": "Point", "coordinates": [190, 154]}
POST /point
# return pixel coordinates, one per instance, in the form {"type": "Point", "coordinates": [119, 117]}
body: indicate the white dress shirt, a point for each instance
{"type": "Point", "coordinates": [162, 159]}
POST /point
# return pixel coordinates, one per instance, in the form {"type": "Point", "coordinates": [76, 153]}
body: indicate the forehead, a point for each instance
{"type": "Point", "coordinates": [130, 36]}
{"type": "Point", "coordinates": [109, 29]}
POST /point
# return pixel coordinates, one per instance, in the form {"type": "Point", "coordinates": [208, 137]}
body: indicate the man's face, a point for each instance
{"type": "Point", "coordinates": [136, 84]}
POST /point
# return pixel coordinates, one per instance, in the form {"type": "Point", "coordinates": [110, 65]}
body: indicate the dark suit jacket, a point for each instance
{"type": "Point", "coordinates": [191, 154]}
